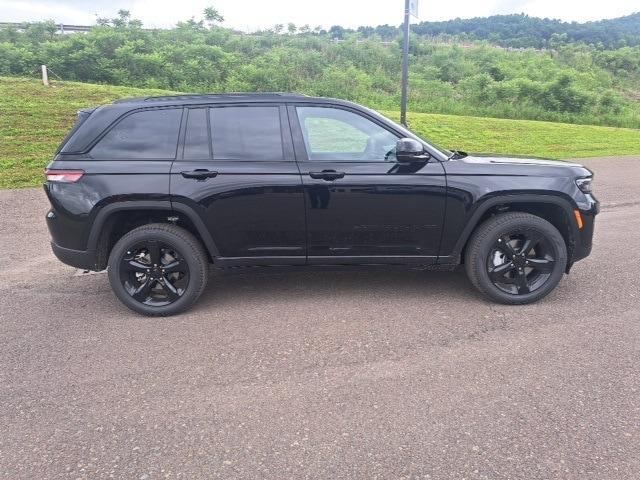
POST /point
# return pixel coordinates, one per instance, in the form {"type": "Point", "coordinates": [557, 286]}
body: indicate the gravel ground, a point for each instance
{"type": "Point", "coordinates": [357, 374]}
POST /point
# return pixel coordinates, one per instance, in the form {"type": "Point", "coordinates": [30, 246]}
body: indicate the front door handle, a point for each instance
{"type": "Point", "coordinates": [326, 175]}
{"type": "Point", "coordinates": [199, 174]}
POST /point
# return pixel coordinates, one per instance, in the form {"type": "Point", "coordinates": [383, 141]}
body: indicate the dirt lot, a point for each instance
{"type": "Point", "coordinates": [367, 374]}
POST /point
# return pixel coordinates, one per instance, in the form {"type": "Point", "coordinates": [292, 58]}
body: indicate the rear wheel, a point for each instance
{"type": "Point", "coordinates": [158, 269]}
{"type": "Point", "coordinates": [516, 258]}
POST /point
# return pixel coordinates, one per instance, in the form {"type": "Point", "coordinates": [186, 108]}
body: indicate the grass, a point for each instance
{"type": "Point", "coordinates": [558, 141]}
{"type": "Point", "coordinates": [34, 119]}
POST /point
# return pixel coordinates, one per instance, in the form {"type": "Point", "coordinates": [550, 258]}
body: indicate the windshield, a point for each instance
{"type": "Point", "coordinates": [410, 134]}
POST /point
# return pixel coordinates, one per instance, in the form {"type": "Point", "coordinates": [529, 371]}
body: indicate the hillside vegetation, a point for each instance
{"type": "Point", "coordinates": [520, 31]}
{"type": "Point", "coordinates": [34, 119]}
{"type": "Point", "coordinates": [524, 31]}
{"type": "Point", "coordinates": [571, 82]}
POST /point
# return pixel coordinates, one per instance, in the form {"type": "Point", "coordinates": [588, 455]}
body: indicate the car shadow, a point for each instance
{"type": "Point", "coordinates": [363, 283]}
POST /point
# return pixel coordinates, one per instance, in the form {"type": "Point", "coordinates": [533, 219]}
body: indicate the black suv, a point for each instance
{"type": "Point", "coordinates": [158, 188]}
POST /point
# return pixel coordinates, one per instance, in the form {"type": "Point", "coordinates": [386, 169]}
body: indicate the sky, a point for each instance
{"type": "Point", "coordinates": [250, 15]}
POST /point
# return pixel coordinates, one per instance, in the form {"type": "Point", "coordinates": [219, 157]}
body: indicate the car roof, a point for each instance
{"type": "Point", "coordinates": [105, 115]}
{"type": "Point", "coordinates": [239, 97]}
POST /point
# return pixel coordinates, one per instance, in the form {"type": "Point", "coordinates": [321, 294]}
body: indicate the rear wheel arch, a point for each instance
{"type": "Point", "coordinates": [116, 220]}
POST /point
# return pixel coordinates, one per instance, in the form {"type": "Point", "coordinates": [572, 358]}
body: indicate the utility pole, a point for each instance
{"type": "Point", "coordinates": [405, 65]}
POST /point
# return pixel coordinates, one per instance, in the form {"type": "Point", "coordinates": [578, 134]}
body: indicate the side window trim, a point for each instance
{"type": "Point", "coordinates": [183, 133]}
{"type": "Point", "coordinates": [298, 137]}
{"type": "Point", "coordinates": [113, 124]}
{"type": "Point", "coordinates": [209, 132]}
{"type": "Point", "coordinates": [287, 139]}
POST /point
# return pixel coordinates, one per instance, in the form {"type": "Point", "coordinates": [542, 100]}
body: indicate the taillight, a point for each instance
{"type": "Point", "coordinates": [63, 176]}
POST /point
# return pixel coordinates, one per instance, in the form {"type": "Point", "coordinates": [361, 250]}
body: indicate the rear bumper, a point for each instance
{"type": "Point", "coordinates": [84, 259]}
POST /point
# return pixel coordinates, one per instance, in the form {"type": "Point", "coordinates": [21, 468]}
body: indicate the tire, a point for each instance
{"type": "Point", "coordinates": [516, 258]}
{"type": "Point", "coordinates": [168, 286]}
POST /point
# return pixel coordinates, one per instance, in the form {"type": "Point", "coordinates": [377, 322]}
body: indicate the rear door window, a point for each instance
{"type": "Point", "coordinates": [148, 134]}
{"type": "Point", "coordinates": [246, 133]}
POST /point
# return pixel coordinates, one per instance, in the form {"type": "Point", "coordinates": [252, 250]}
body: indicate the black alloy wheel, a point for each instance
{"type": "Point", "coordinates": [520, 263]}
{"type": "Point", "coordinates": [154, 273]}
{"type": "Point", "coordinates": [516, 258]}
{"type": "Point", "coordinates": [158, 269]}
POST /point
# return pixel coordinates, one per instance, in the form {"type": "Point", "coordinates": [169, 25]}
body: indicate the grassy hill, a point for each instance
{"type": "Point", "coordinates": [34, 119]}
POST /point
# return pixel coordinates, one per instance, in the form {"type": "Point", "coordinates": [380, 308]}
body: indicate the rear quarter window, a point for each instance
{"type": "Point", "coordinates": [148, 134]}
{"type": "Point", "coordinates": [80, 119]}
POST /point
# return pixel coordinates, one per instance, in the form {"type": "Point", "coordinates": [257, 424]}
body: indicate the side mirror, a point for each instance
{"type": "Point", "coordinates": [410, 150]}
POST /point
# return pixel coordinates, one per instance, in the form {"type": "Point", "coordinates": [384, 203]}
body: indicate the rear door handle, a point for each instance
{"type": "Point", "coordinates": [200, 174]}
{"type": "Point", "coordinates": [326, 175]}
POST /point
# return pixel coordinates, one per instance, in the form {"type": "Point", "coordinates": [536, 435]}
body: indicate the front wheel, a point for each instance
{"type": "Point", "coordinates": [158, 269]}
{"type": "Point", "coordinates": [516, 258]}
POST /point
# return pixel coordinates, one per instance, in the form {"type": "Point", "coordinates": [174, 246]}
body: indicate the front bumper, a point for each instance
{"type": "Point", "coordinates": [583, 242]}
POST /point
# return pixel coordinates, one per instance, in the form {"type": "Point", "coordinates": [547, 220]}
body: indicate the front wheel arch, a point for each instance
{"type": "Point", "coordinates": [556, 210]}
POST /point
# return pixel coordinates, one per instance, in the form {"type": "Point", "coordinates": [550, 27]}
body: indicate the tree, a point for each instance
{"type": "Point", "coordinates": [122, 19]}
{"type": "Point", "coordinates": [291, 28]}
{"type": "Point", "coordinates": [51, 28]}
{"type": "Point", "coordinates": [557, 40]}
{"type": "Point", "coordinates": [212, 16]}
{"type": "Point", "coordinates": [337, 32]}
{"type": "Point", "coordinates": [103, 21]}
{"type": "Point", "coordinates": [366, 31]}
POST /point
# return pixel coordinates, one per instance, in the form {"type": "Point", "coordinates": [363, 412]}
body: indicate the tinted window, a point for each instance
{"type": "Point", "coordinates": [80, 119]}
{"type": "Point", "coordinates": [196, 141]}
{"type": "Point", "coordinates": [246, 133]}
{"type": "Point", "coordinates": [335, 134]}
{"type": "Point", "coordinates": [148, 134]}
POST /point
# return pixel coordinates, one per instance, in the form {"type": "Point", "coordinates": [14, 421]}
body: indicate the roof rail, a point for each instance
{"type": "Point", "coordinates": [195, 96]}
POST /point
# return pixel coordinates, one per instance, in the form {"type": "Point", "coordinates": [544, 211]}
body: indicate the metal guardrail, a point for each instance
{"type": "Point", "coordinates": [62, 27]}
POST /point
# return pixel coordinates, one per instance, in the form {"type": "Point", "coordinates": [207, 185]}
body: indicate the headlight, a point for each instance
{"type": "Point", "coordinates": [585, 184]}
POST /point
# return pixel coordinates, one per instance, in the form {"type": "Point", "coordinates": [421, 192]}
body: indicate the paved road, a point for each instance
{"type": "Point", "coordinates": [323, 375]}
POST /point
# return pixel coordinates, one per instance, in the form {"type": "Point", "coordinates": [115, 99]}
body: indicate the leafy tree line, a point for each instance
{"type": "Point", "coordinates": [572, 83]}
{"type": "Point", "coordinates": [517, 31]}
{"type": "Point", "coordinates": [523, 31]}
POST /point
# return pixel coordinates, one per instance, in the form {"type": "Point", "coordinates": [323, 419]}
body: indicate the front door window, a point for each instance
{"type": "Point", "coordinates": [332, 134]}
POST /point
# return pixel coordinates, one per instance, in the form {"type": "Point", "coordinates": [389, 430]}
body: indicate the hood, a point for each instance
{"type": "Point", "coordinates": [525, 166]}
{"type": "Point", "coordinates": [496, 159]}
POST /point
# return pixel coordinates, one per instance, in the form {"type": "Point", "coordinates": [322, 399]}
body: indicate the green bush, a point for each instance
{"type": "Point", "coordinates": [572, 83]}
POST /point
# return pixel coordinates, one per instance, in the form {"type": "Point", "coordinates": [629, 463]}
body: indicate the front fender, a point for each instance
{"type": "Point", "coordinates": [457, 233]}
